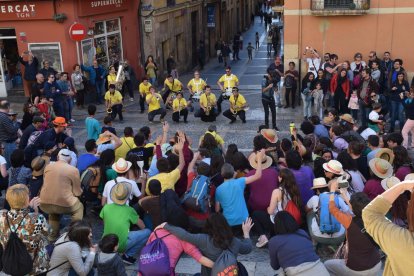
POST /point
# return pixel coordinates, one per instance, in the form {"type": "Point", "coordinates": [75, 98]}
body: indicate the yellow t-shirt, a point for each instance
{"type": "Point", "coordinates": [218, 138]}
{"type": "Point", "coordinates": [203, 99]}
{"type": "Point", "coordinates": [154, 104]}
{"type": "Point", "coordinates": [167, 180]}
{"type": "Point", "coordinates": [175, 86]}
{"type": "Point", "coordinates": [116, 98]}
{"type": "Point", "coordinates": [240, 100]}
{"type": "Point", "coordinates": [144, 89]}
{"type": "Point", "coordinates": [127, 145]}
{"type": "Point", "coordinates": [197, 85]}
{"type": "Point", "coordinates": [111, 79]}
{"type": "Point", "coordinates": [179, 103]}
{"type": "Point", "coordinates": [229, 81]}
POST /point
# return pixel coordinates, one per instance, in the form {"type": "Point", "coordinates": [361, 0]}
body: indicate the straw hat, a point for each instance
{"type": "Point", "coordinates": [270, 135]}
{"type": "Point", "coordinates": [334, 167]}
{"type": "Point", "coordinates": [409, 176]}
{"type": "Point", "coordinates": [319, 182]}
{"type": "Point", "coordinates": [103, 138]}
{"type": "Point", "coordinates": [386, 154]}
{"type": "Point", "coordinates": [347, 118]}
{"type": "Point", "coordinates": [38, 166]}
{"type": "Point", "coordinates": [266, 161]}
{"type": "Point", "coordinates": [121, 166]}
{"type": "Point", "coordinates": [327, 121]}
{"type": "Point", "coordinates": [388, 182]}
{"type": "Point", "coordinates": [380, 167]}
{"type": "Point", "coordinates": [60, 121]}
{"type": "Point", "coordinates": [120, 193]}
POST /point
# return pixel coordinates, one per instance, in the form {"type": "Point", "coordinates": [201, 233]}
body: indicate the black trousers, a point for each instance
{"type": "Point", "coordinates": [292, 93]}
{"type": "Point", "coordinates": [176, 115]}
{"type": "Point", "coordinates": [341, 104]}
{"type": "Point", "coordinates": [269, 104]}
{"type": "Point", "coordinates": [142, 102]}
{"type": "Point", "coordinates": [210, 118]}
{"type": "Point", "coordinates": [80, 97]}
{"type": "Point", "coordinates": [117, 109]}
{"type": "Point", "coordinates": [232, 117]}
{"type": "Point", "coordinates": [127, 85]}
{"type": "Point", "coordinates": [165, 95]}
{"type": "Point", "coordinates": [262, 223]}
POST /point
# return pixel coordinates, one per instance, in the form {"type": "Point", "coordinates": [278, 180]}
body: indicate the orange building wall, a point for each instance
{"type": "Point", "coordinates": [385, 28]}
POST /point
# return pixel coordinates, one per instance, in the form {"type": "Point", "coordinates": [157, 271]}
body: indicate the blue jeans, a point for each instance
{"type": "Point", "coordinates": [136, 240]}
{"type": "Point", "coordinates": [396, 114]}
{"type": "Point", "coordinates": [307, 106]}
{"type": "Point", "coordinates": [68, 108]}
{"type": "Point", "coordinates": [152, 80]}
{"type": "Point", "coordinates": [8, 150]}
{"type": "Point", "coordinates": [365, 110]}
{"type": "Point", "coordinates": [99, 85]}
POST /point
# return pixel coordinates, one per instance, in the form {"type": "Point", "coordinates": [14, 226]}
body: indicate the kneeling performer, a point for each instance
{"type": "Point", "coordinates": [208, 103]}
{"type": "Point", "coordinates": [238, 105]}
{"type": "Point", "coordinates": [179, 108]}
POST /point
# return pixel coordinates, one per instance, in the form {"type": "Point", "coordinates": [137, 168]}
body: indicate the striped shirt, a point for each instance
{"type": "Point", "coordinates": [8, 130]}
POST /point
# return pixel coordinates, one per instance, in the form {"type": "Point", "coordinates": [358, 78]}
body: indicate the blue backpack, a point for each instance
{"type": "Point", "coordinates": [154, 259]}
{"type": "Point", "coordinates": [198, 197]}
{"type": "Point", "coordinates": [327, 222]}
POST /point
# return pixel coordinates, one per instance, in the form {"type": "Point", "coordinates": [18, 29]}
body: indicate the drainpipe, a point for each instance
{"type": "Point", "coordinates": [300, 46]}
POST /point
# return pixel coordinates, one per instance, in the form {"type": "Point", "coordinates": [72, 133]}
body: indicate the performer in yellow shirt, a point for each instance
{"type": "Point", "coordinates": [208, 103]}
{"type": "Point", "coordinates": [237, 107]}
{"type": "Point", "coordinates": [196, 87]}
{"type": "Point", "coordinates": [179, 108]}
{"type": "Point", "coordinates": [113, 101]}
{"type": "Point", "coordinates": [154, 101]}
{"type": "Point", "coordinates": [143, 89]}
{"type": "Point", "coordinates": [171, 85]}
{"type": "Point", "coordinates": [226, 84]}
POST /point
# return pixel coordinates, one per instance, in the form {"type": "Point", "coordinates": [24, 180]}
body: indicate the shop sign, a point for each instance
{"type": "Point", "coordinates": [23, 10]}
{"type": "Point", "coordinates": [92, 7]}
{"type": "Point", "coordinates": [211, 17]}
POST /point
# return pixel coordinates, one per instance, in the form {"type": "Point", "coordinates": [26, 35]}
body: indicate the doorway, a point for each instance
{"type": "Point", "coordinates": [10, 75]}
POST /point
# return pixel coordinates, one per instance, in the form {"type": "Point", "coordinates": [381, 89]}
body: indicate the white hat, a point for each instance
{"type": "Point", "coordinates": [388, 182]}
{"type": "Point", "coordinates": [121, 166]}
{"type": "Point", "coordinates": [319, 182]}
{"type": "Point", "coordinates": [334, 167]}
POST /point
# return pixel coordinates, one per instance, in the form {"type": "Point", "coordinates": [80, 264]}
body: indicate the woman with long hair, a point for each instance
{"type": "Point", "coordinates": [107, 158]}
{"type": "Point", "coordinates": [151, 69]}
{"type": "Point", "coordinates": [288, 190]}
{"type": "Point", "coordinates": [396, 242]}
{"type": "Point", "coordinates": [291, 249]}
{"type": "Point", "coordinates": [363, 255]}
{"type": "Point", "coordinates": [340, 90]}
{"type": "Point", "coordinates": [397, 109]}
{"type": "Point", "coordinates": [68, 255]}
{"type": "Point", "coordinates": [308, 85]}
{"type": "Point", "coordinates": [217, 238]}
{"type": "Point", "coordinates": [231, 151]}
{"type": "Point", "coordinates": [210, 143]}
{"type": "Point", "coordinates": [402, 163]}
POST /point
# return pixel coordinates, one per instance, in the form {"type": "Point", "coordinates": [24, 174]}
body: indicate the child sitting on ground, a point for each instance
{"type": "Point", "coordinates": [108, 125]}
{"type": "Point", "coordinates": [108, 261]}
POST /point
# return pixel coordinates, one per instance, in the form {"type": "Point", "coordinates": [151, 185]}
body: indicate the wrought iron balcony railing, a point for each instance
{"type": "Point", "coordinates": [339, 7]}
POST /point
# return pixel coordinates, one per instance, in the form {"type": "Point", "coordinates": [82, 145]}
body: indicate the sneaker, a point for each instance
{"type": "Point", "coordinates": [262, 241]}
{"type": "Point", "coordinates": [128, 260]}
{"type": "Point", "coordinates": [72, 120]}
{"type": "Point", "coordinates": [131, 99]}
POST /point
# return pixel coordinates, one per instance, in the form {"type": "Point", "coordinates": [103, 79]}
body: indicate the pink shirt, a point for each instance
{"type": "Point", "coordinates": [176, 247]}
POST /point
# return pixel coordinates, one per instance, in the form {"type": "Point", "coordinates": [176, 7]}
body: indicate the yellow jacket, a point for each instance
{"type": "Point", "coordinates": [396, 242]}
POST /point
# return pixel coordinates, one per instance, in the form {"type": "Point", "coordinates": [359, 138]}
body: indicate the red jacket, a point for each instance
{"type": "Point", "coordinates": [345, 85]}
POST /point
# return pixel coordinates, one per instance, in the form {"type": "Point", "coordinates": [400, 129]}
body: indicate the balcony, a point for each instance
{"type": "Point", "coordinates": [339, 7]}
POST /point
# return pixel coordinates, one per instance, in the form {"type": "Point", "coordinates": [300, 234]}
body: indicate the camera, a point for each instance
{"type": "Point", "coordinates": [343, 182]}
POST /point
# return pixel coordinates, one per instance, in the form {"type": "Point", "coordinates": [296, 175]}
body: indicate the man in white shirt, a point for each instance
{"type": "Point", "coordinates": [121, 167]}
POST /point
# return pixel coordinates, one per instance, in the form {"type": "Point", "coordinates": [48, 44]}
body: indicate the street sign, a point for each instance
{"type": "Point", "coordinates": [77, 32]}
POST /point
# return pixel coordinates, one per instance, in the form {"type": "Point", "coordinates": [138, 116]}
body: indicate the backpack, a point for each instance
{"type": "Point", "coordinates": [33, 137]}
{"type": "Point", "coordinates": [16, 259]}
{"type": "Point", "coordinates": [154, 259]}
{"type": "Point", "coordinates": [90, 179]}
{"type": "Point", "coordinates": [292, 209]}
{"type": "Point", "coordinates": [327, 222]}
{"type": "Point", "coordinates": [197, 198]}
{"type": "Point", "coordinates": [225, 265]}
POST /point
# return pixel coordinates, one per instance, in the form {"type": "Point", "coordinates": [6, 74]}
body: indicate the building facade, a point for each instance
{"type": "Point", "coordinates": [113, 34]}
{"type": "Point", "coordinates": [345, 27]}
{"type": "Point", "coordinates": [177, 27]}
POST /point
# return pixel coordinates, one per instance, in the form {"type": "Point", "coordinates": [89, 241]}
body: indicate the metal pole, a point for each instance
{"type": "Point", "coordinates": [77, 52]}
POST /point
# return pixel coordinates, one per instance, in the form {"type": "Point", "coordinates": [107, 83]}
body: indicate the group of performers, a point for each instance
{"type": "Point", "coordinates": [201, 100]}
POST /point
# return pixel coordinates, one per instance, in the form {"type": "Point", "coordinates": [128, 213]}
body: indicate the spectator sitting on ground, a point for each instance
{"type": "Point", "coordinates": [151, 205]}
{"type": "Point", "coordinates": [36, 182]}
{"type": "Point", "coordinates": [118, 218]}
{"type": "Point", "coordinates": [394, 139]}
{"type": "Point", "coordinates": [402, 164]}
{"type": "Point", "coordinates": [74, 253]}
{"type": "Point", "coordinates": [87, 159]}
{"type": "Point", "coordinates": [291, 249]}
{"type": "Point", "coordinates": [335, 133]}
{"type": "Point", "coordinates": [18, 173]}
{"type": "Point", "coordinates": [107, 261]}
{"type": "Point", "coordinates": [69, 143]}
{"type": "Point", "coordinates": [380, 169]}
{"type": "Point", "coordinates": [320, 130]}
{"type": "Point", "coordinates": [363, 257]}
{"type": "Point", "coordinates": [31, 228]}
{"type": "Point", "coordinates": [373, 144]}
{"type": "Point", "coordinates": [108, 125]}
{"type": "Point", "coordinates": [229, 195]}
{"type": "Point", "coordinates": [107, 140]}
{"type": "Point", "coordinates": [127, 144]}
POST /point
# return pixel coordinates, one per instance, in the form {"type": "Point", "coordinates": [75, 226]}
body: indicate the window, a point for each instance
{"type": "Point", "coordinates": [50, 52]}
{"type": "Point", "coordinates": [337, 4]}
{"type": "Point", "coordinates": [108, 41]}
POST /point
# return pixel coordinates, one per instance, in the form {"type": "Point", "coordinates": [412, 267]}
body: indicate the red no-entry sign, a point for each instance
{"type": "Point", "coordinates": [77, 32]}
